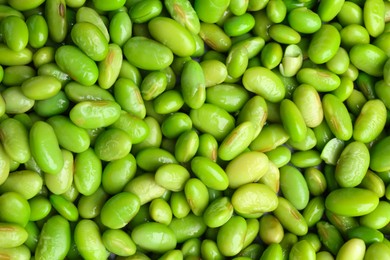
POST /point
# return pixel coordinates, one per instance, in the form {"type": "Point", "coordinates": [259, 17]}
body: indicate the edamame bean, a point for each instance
{"type": "Point", "coordinates": [87, 14]}
{"type": "Point", "coordinates": [193, 84]}
{"type": "Point", "coordinates": [38, 31]}
{"type": "Point", "coordinates": [290, 217]}
{"type": "Point", "coordinates": [14, 137]}
{"type": "Point", "coordinates": [351, 201]}
{"type": "Point", "coordinates": [95, 114]}
{"type": "Point", "coordinates": [87, 172]}
{"type": "Point", "coordinates": [89, 241]}
{"type": "Point", "coordinates": [54, 240]}
{"type": "Point", "coordinates": [373, 17]}
{"type": "Point", "coordinates": [109, 67]}
{"type": "Point", "coordinates": [155, 237]}
{"type": "Point", "coordinates": [45, 148]}
{"type": "Point", "coordinates": [137, 48]}
{"type": "Point", "coordinates": [246, 207]}
{"type": "Point", "coordinates": [145, 187]}
{"type": "Point", "coordinates": [119, 210]}
{"type": "Point", "coordinates": [78, 65]}
{"type": "Point", "coordinates": [352, 165]}
{"type": "Point", "coordinates": [294, 187]}
{"type": "Point", "coordinates": [368, 58]}
{"type": "Point", "coordinates": [55, 12]}
{"type": "Point", "coordinates": [176, 37]}
{"type": "Point", "coordinates": [12, 235]}
{"type": "Point", "coordinates": [304, 20]}
{"type": "Point", "coordinates": [61, 182]}
{"type": "Point", "coordinates": [14, 208]}
{"type": "Point", "coordinates": [9, 57]}
{"type": "Point", "coordinates": [118, 173]}
{"type": "Point", "coordinates": [9, 25]}
{"type": "Point", "coordinates": [265, 83]}
{"type": "Point", "coordinates": [337, 117]}
{"type": "Point", "coordinates": [231, 236]}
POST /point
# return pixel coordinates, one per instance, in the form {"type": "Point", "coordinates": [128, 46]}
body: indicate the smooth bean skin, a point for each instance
{"type": "Point", "coordinates": [112, 144]}
{"type": "Point", "coordinates": [118, 242]}
{"type": "Point", "coordinates": [328, 10]}
{"type": "Point", "coordinates": [9, 57]}
{"type": "Point", "coordinates": [193, 84]}
{"type": "Point", "coordinates": [293, 121]}
{"type": "Point", "coordinates": [378, 156]}
{"type": "Point", "coordinates": [61, 182]}
{"type": "Point", "coordinates": [236, 141]}
{"type": "Point", "coordinates": [368, 58]}
{"type": "Point", "coordinates": [17, 149]}
{"type": "Point", "coordinates": [188, 227]}
{"type": "Point", "coordinates": [337, 117]}
{"type": "Point", "coordinates": [120, 28]}
{"type": "Point", "coordinates": [352, 165]}
{"type": "Point", "coordinates": [94, 114]}
{"type": "Point", "coordinates": [294, 187]}
{"type": "Point", "coordinates": [89, 241]}
{"type": "Point", "coordinates": [43, 55]}
{"type": "Point", "coordinates": [231, 236]}
{"type": "Point", "coordinates": [301, 250]}
{"type": "Point", "coordinates": [351, 201]}
{"type": "Point", "coordinates": [155, 237]}
{"type": "Point", "coordinates": [373, 17]}
{"type": "Point", "coordinates": [87, 172]}
{"type": "Point", "coordinates": [265, 83]}
{"type": "Point", "coordinates": [290, 217]}
{"type": "Point", "coordinates": [304, 20]}
{"type": "Point", "coordinates": [354, 248]}
{"type": "Point", "coordinates": [28, 183]}
{"type": "Point", "coordinates": [41, 87]}
{"type": "Point", "coordinates": [4, 165]}
{"type": "Point", "coordinates": [12, 235]}
{"type": "Point", "coordinates": [378, 218]}
{"type": "Point", "coordinates": [20, 252]}
{"type": "Point", "coordinates": [324, 44]}
{"type": "Point", "coordinates": [45, 148]}
{"type": "Point", "coordinates": [221, 124]}
{"type": "Point", "coordinates": [105, 6]}
{"type": "Point", "coordinates": [70, 136]}
{"type": "Point", "coordinates": [38, 31]}
{"type": "Point", "coordinates": [190, 20]}
{"type": "Point", "coordinates": [197, 195]}
{"type": "Point", "coordinates": [244, 206]}
{"type": "Point", "coordinates": [377, 250]}
{"type": "Point", "coordinates": [245, 168]}
{"type": "Point", "coordinates": [11, 24]}
{"type": "Point", "coordinates": [270, 137]}
{"type": "Point", "coordinates": [176, 37]}
{"type": "Point", "coordinates": [77, 65]}
{"type": "Point", "coordinates": [145, 187]}
{"type": "Point", "coordinates": [109, 67]}
{"type": "Point", "coordinates": [270, 230]}
{"type": "Point", "coordinates": [373, 122]}
{"type": "Point", "coordinates": [284, 34]}
{"type": "Point", "coordinates": [119, 210]}
{"type": "Point", "coordinates": [15, 101]}
{"type": "Point", "coordinates": [55, 12]}
{"type": "Point", "coordinates": [210, 173]}
{"type": "Point", "coordinates": [90, 15]}
{"type": "Point", "coordinates": [210, 11]}
{"type": "Point", "coordinates": [307, 99]}
{"type": "Point", "coordinates": [215, 37]}
{"type": "Point", "coordinates": [218, 212]}
{"type": "Point", "coordinates": [238, 25]}
{"type": "Point", "coordinates": [137, 48]}
{"type": "Point", "coordinates": [14, 208]}
{"type": "Point", "coordinates": [54, 240]}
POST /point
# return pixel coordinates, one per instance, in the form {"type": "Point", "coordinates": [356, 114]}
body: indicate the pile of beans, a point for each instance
{"type": "Point", "coordinates": [194, 129]}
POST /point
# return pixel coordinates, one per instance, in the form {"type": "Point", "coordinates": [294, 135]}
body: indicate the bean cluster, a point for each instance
{"type": "Point", "coordinates": [194, 129]}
